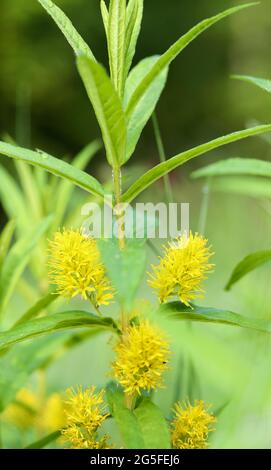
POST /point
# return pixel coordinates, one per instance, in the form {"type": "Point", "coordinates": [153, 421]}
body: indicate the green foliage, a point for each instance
{"type": "Point", "coordinates": [179, 311]}
{"type": "Point", "coordinates": [126, 420]}
{"type": "Point", "coordinates": [153, 425]}
{"type": "Point", "coordinates": [165, 167]}
{"type": "Point", "coordinates": [16, 261]}
{"type": "Point", "coordinates": [54, 323]}
{"type": "Point", "coordinates": [116, 42]}
{"type": "Point", "coordinates": [5, 240]}
{"type": "Point", "coordinates": [73, 37]}
{"type": "Point", "coordinates": [259, 82]}
{"type": "Point", "coordinates": [107, 107]}
{"type": "Point", "coordinates": [235, 166]}
{"type": "Point", "coordinates": [41, 443]}
{"type": "Point", "coordinates": [53, 165]}
{"type": "Point", "coordinates": [248, 264]}
{"type": "Point", "coordinates": [146, 105]}
{"type": "Point", "coordinates": [118, 264]}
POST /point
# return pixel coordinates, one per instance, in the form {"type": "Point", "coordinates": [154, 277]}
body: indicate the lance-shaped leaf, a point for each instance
{"type": "Point", "coordinates": [107, 107]}
{"type": "Point", "coordinates": [174, 51]}
{"type": "Point", "coordinates": [244, 185]}
{"type": "Point", "coordinates": [146, 104]}
{"type": "Point", "coordinates": [151, 418]}
{"type": "Point", "coordinates": [17, 259]}
{"type": "Point", "coordinates": [248, 264]}
{"type": "Point", "coordinates": [126, 420]}
{"type": "Point", "coordinates": [259, 82]}
{"type": "Point", "coordinates": [179, 311]}
{"type": "Point", "coordinates": [116, 42]}
{"type": "Point", "coordinates": [165, 167]}
{"type": "Point", "coordinates": [133, 26]}
{"type": "Point", "coordinates": [13, 200]}
{"type": "Point", "coordinates": [65, 25]}
{"type": "Point", "coordinates": [105, 16]}
{"type": "Point", "coordinates": [235, 166]}
{"type": "Point", "coordinates": [53, 165]}
{"type": "Point", "coordinates": [44, 441]}
{"type": "Point", "coordinates": [53, 323]}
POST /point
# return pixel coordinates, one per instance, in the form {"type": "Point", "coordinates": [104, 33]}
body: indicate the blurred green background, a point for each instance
{"type": "Point", "coordinates": [44, 105]}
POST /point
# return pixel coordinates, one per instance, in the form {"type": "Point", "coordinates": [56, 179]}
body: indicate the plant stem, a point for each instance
{"type": "Point", "coordinates": [130, 401]}
{"type": "Point", "coordinates": [162, 156]}
{"type": "Point", "coordinates": [119, 212]}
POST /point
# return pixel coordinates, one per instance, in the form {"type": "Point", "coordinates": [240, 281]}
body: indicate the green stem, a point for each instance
{"type": "Point", "coordinates": [162, 156]}
{"type": "Point", "coordinates": [118, 206]}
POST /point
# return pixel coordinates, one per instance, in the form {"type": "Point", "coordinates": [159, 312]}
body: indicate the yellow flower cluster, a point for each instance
{"type": "Point", "coordinates": [30, 411]}
{"type": "Point", "coordinates": [182, 269]}
{"type": "Point", "coordinates": [191, 426]}
{"type": "Point", "coordinates": [86, 412]}
{"type": "Point", "coordinates": [142, 357]}
{"type": "Point", "coordinates": [76, 267]}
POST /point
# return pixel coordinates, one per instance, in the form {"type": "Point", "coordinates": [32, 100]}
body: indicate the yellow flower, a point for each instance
{"type": "Point", "coordinates": [142, 357]}
{"type": "Point", "coordinates": [191, 426]}
{"type": "Point", "coordinates": [76, 267]}
{"type": "Point", "coordinates": [23, 411]}
{"type": "Point", "coordinates": [52, 417]}
{"type": "Point", "coordinates": [85, 412]}
{"type": "Point", "coordinates": [182, 269]}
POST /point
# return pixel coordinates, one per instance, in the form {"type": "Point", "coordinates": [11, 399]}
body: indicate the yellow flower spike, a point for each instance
{"type": "Point", "coordinates": [142, 357]}
{"type": "Point", "coordinates": [85, 413]}
{"type": "Point", "coordinates": [182, 269]}
{"type": "Point", "coordinates": [76, 267]}
{"type": "Point", "coordinates": [191, 426]}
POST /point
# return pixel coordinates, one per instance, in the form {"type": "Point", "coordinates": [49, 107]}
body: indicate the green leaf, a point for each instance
{"type": "Point", "coordinates": [235, 166]}
{"type": "Point", "coordinates": [37, 308]}
{"type": "Point", "coordinates": [259, 82]}
{"type": "Point", "coordinates": [248, 264]}
{"type": "Point", "coordinates": [17, 260]}
{"type": "Point", "coordinates": [53, 165]}
{"type": "Point", "coordinates": [21, 361]}
{"type": "Point", "coordinates": [165, 167]}
{"type": "Point", "coordinates": [125, 419]}
{"type": "Point", "coordinates": [124, 267]}
{"type": "Point", "coordinates": [153, 425]}
{"type": "Point", "coordinates": [166, 59]}
{"type": "Point", "coordinates": [116, 42]}
{"type": "Point", "coordinates": [105, 16]}
{"type": "Point", "coordinates": [146, 104]}
{"type": "Point", "coordinates": [65, 188]}
{"type": "Point", "coordinates": [13, 200]}
{"type": "Point", "coordinates": [179, 311]}
{"type": "Point", "coordinates": [133, 26]}
{"type": "Point", "coordinates": [245, 186]}
{"type": "Point", "coordinates": [107, 107]}
{"type": "Point", "coordinates": [5, 240]}
{"type": "Point", "coordinates": [73, 37]}
{"type": "Point", "coordinates": [44, 441]}
{"type": "Point", "coordinates": [53, 323]}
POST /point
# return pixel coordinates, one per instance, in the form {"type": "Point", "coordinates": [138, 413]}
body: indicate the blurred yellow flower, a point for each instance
{"type": "Point", "coordinates": [52, 417]}
{"type": "Point", "coordinates": [191, 426]}
{"type": "Point", "coordinates": [142, 357]}
{"type": "Point", "coordinates": [182, 269]}
{"type": "Point", "coordinates": [22, 412]}
{"type": "Point", "coordinates": [76, 267]}
{"type": "Point", "coordinates": [85, 412]}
